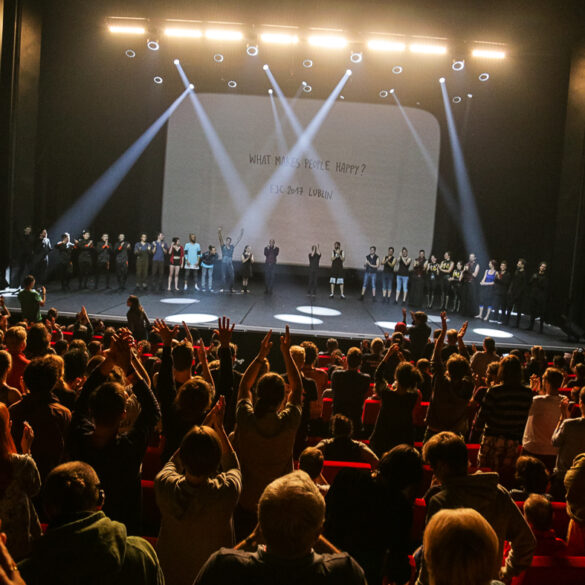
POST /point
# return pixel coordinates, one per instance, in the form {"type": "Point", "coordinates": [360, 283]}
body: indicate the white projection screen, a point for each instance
{"type": "Point", "coordinates": [367, 177]}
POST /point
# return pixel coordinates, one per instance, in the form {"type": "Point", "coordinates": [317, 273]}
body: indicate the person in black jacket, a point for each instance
{"type": "Point", "coordinates": [537, 296]}
{"type": "Point", "coordinates": [501, 286]}
{"type": "Point", "coordinates": [517, 292]}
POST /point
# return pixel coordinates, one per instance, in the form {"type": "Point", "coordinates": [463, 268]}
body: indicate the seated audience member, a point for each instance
{"type": "Point", "coordinates": [446, 453]}
{"type": "Point", "coordinates": [371, 360]}
{"type": "Point", "coordinates": [542, 419]}
{"type": "Point", "coordinates": [539, 515]}
{"type": "Point", "coordinates": [575, 488]}
{"type": "Point", "coordinates": [95, 436]}
{"type": "Point", "coordinates": [94, 347]}
{"type": "Point", "coordinates": [15, 340]}
{"type": "Point", "coordinates": [64, 393]}
{"type": "Point", "coordinates": [480, 360]}
{"type": "Point", "coordinates": [38, 341]}
{"type": "Point", "coordinates": [310, 371]}
{"type": "Point", "coordinates": [19, 483]}
{"type": "Point", "coordinates": [291, 512]}
{"type": "Point", "coordinates": [331, 345]}
{"type": "Point", "coordinates": [338, 362]}
{"type": "Point", "coordinates": [502, 418]}
{"type": "Point", "coordinates": [426, 386]}
{"type": "Point", "coordinates": [311, 461]}
{"type": "Point", "coordinates": [461, 548]}
{"type": "Point", "coordinates": [61, 346]}
{"type": "Point", "coordinates": [452, 387]}
{"type": "Point", "coordinates": [186, 406]}
{"type": "Point", "coordinates": [81, 544]}
{"type": "Point", "coordinates": [8, 394]}
{"type": "Point", "coordinates": [341, 447]}
{"type": "Point", "coordinates": [265, 432]}
{"type": "Point", "coordinates": [531, 478]}
{"type": "Point", "coordinates": [369, 514]}
{"type": "Point", "coordinates": [579, 380]}
{"type": "Point", "coordinates": [395, 425]}
{"type": "Point", "coordinates": [350, 388]}
{"type": "Point", "coordinates": [196, 500]}
{"type": "Point", "coordinates": [40, 408]}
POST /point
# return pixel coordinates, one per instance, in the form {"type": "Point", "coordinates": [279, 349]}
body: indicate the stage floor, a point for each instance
{"type": "Point", "coordinates": [256, 311]}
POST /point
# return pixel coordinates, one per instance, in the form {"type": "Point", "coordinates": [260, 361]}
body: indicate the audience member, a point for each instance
{"type": "Point", "coordinates": [539, 515]}
{"type": "Point", "coordinates": [531, 477]}
{"type": "Point", "coordinates": [575, 487]}
{"type": "Point", "coordinates": [311, 461]}
{"type": "Point", "coordinates": [480, 360]}
{"type": "Point", "coordinates": [8, 394]}
{"type": "Point", "coordinates": [38, 341]}
{"type": "Point", "coordinates": [310, 371]}
{"type": "Point", "coordinates": [15, 340]}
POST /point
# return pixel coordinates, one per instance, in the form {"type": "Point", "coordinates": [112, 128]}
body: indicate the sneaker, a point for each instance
{"type": "Point", "coordinates": [342, 296]}
{"type": "Point", "coordinates": [331, 296]}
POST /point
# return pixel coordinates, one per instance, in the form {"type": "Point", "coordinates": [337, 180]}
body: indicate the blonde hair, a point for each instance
{"type": "Point", "coordinates": [297, 352]}
{"type": "Point", "coordinates": [460, 548]}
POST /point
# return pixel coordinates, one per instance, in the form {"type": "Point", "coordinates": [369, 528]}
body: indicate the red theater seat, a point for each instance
{"type": "Point", "coordinates": [324, 361]}
{"type": "Point", "coordinates": [151, 464]}
{"type": "Point", "coordinates": [419, 515]}
{"type": "Point", "coordinates": [557, 570]}
{"type": "Point", "coordinates": [327, 408]}
{"type": "Point", "coordinates": [332, 468]}
{"type": "Point", "coordinates": [150, 511]}
{"type": "Point", "coordinates": [371, 410]}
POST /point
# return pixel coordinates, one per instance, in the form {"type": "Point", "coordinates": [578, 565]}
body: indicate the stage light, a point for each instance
{"type": "Point", "coordinates": [397, 69]}
{"type": "Point", "coordinates": [428, 49]}
{"type": "Point", "coordinates": [218, 57]}
{"type": "Point", "coordinates": [279, 38]}
{"type": "Point", "coordinates": [327, 41]}
{"type": "Point", "coordinates": [383, 93]}
{"type": "Point", "coordinates": [484, 76]}
{"type": "Point", "coordinates": [341, 97]}
{"type": "Point", "coordinates": [303, 83]}
{"type": "Point", "coordinates": [392, 90]}
{"type": "Point", "coordinates": [183, 33]}
{"type": "Point", "coordinates": [270, 91]}
{"type": "Point", "coordinates": [153, 45]}
{"type": "Point", "coordinates": [126, 29]}
{"type": "Point", "coordinates": [252, 50]}
{"type": "Point", "coordinates": [469, 95]}
{"type": "Point", "coordinates": [307, 89]}
{"type": "Point", "coordinates": [176, 61]}
{"type": "Point", "coordinates": [348, 72]}
{"type": "Point", "coordinates": [356, 57]}
{"type": "Point", "coordinates": [191, 86]}
{"type": "Point", "coordinates": [441, 80]}
{"type": "Point", "coordinates": [458, 65]}
{"type": "Point", "coordinates": [130, 53]}
{"type": "Point", "coordinates": [456, 99]}
{"type": "Point", "coordinates": [223, 35]}
{"type": "Point", "coordinates": [388, 46]}
{"type": "Point", "coordinates": [307, 63]}
{"type": "Point", "coordinates": [157, 79]}
{"type": "Point", "coordinates": [488, 54]}
{"type": "Point", "coordinates": [232, 84]}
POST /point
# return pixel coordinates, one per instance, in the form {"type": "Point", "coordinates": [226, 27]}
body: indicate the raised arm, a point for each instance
{"type": "Point", "coordinates": [202, 358]}
{"type": "Point", "coordinates": [436, 358]}
{"type": "Point", "coordinates": [292, 372]}
{"type": "Point", "coordinates": [226, 374]}
{"type": "Point", "coordinates": [251, 373]}
{"type": "Point", "coordinates": [460, 343]}
{"type": "Point", "coordinates": [220, 236]}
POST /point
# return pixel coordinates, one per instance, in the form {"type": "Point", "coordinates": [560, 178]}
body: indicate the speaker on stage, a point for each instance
{"type": "Point", "coordinates": [574, 331]}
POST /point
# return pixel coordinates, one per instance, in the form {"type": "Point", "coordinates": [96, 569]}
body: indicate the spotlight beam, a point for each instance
{"type": "Point", "coordinates": [86, 208]}
{"type": "Point", "coordinates": [470, 222]}
{"type": "Point", "coordinates": [236, 188]}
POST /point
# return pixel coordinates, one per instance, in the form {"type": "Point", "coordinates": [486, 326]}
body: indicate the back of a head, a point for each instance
{"type": "Point", "coordinates": [182, 357]}
{"type": "Point", "coordinates": [269, 393]}
{"type": "Point", "coordinates": [40, 376]}
{"type": "Point", "coordinates": [451, 335]}
{"type": "Point", "coordinates": [377, 346]}
{"type": "Point", "coordinates": [531, 474]}
{"type": "Point", "coordinates": [331, 344]}
{"type": "Point", "coordinates": [420, 317]}
{"type": "Point", "coordinates": [554, 377]}
{"type": "Point", "coordinates": [291, 512]}
{"type": "Point", "coordinates": [94, 347]}
{"type": "Point", "coordinates": [341, 426]}
{"type": "Point", "coordinates": [311, 352]}
{"type": "Point", "coordinates": [297, 353]}
{"type": "Point", "coordinates": [107, 404]}
{"type": "Point", "coordinates": [423, 365]}
{"type": "Point", "coordinates": [401, 467]}
{"type": "Point", "coordinates": [510, 371]}
{"type": "Point", "coordinates": [193, 399]}
{"type": "Point", "coordinates": [354, 358]}
{"type": "Point", "coordinates": [38, 340]}
{"type": "Point", "coordinates": [448, 449]}
{"type": "Point", "coordinates": [580, 371]}
{"type": "Point", "coordinates": [538, 512]}
{"type": "Point", "coordinates": [489, 344]}
{"type": "Point", "coordinates": [311, 462]}
{"type": "Point", "coordinates": [200, 451]}
{"type": "Point", "coordinates": [15, 338]}
{"type": "Point", "coordinates": [75, 364]}
{"type": "Point", "coordinates": [407, 375]}
{"type": "Point", "coordinates": [5, 363]}
{"type": "Point", "coordinates": [458, 367]}
{"type": "Point", "coordinates": [71, 488]}
{"type": "Point", "coordinates": [460, 548]}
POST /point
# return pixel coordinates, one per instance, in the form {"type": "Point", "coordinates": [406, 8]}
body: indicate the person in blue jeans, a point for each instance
{"type": "Point", "coordinates": [207, 262]}
{"type": "Point", "coordinates": [227, 259]}
{"type": "Point", "coordinates": [372, 264]}
{"type": "Point", "coordinates": [160, 250]}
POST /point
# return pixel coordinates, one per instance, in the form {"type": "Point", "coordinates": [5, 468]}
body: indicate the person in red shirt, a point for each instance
{"type": "Point", "coordinates": [15, 340]}
{"type": "Point", "coordinates": [539, 515]}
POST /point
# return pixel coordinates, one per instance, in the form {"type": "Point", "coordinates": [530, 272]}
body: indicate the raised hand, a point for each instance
{"type": "Point", "coordinates": [285, 341]}
{"type": "Point", "coordinates": [224, 331]}
{"type": "Point", "coordinates": [27, 439]}
{"type": "Point", "coordinates": [463, 330]}
{"type": "Point", "coordinates": [162, 330]}
{"type": "Point", "coordinates": [444, 320]}
{"type": "Point", "coordinates": [188, 335]}
{"type": "Point", "coordinates": [9, 574]}
{"type": "Point", "coordinates": [201, 351]}
{"type": "Point", "coordinates": [265, 346]}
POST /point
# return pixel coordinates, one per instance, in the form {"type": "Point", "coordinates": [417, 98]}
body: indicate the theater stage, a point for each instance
{"type": "Point", "coordinates": [319, 315]}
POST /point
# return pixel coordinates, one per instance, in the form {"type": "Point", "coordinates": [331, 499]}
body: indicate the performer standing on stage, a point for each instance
{"type": "Point", "coordinates": [247, 261]}
{"type": "Point", "coordinates": [516, 292]}
{"type": "Point", "coordinates": [486, 291]}
{"type": "Point", "coordinates": [176, 258]}
{"type": "Point", "coordinates": [469, 300]}
{"type": "Point", "coordinates": [192, 258]}
{"type": "Point", "coordinates": [501, 286]}
{"type": "Point", "coordinates": [433, 284]}
{"type": "Point", "coordinates": [314, 258]}
{"type": "Point", "coordinates": [207, 263]}
{"type": "Point", "coordinates": [65, 251]}
{"type": "Point", "coordinates": [337, 260]}
{"type": "Point", "coordinates": [402, 275]}
{"type": "Point", "coordinates": [42, 249]}
{"type": "Point", "coordinates": [121, 253]}
{"type": "Point", "coordinates": [270, 253]}
{"type": "Point", "coordinates": [104, 258]}
{"type": "Point", "coordinates": [417, 282]}
{"type": "Point", "coordinates": [389, 263]}
{"type": "Point", "coordinates": [26, 256]}
{"type": "Point", "coordinates": [84, 258]}
{"type": "Point", "coordinates": [455, 281]}
{"type": "Point", "coordinates": [159, 249]}
{"type": "Point", "coordinates": [445, 269]}
{"type": "Point", "coordinates": [142, 251]}
{"type": "Point", "coordinates": [227, 259]}
{"type": "Point", "coordinates": [538, 295]}
{"type": "Point", "coordinates": [371, 265]}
